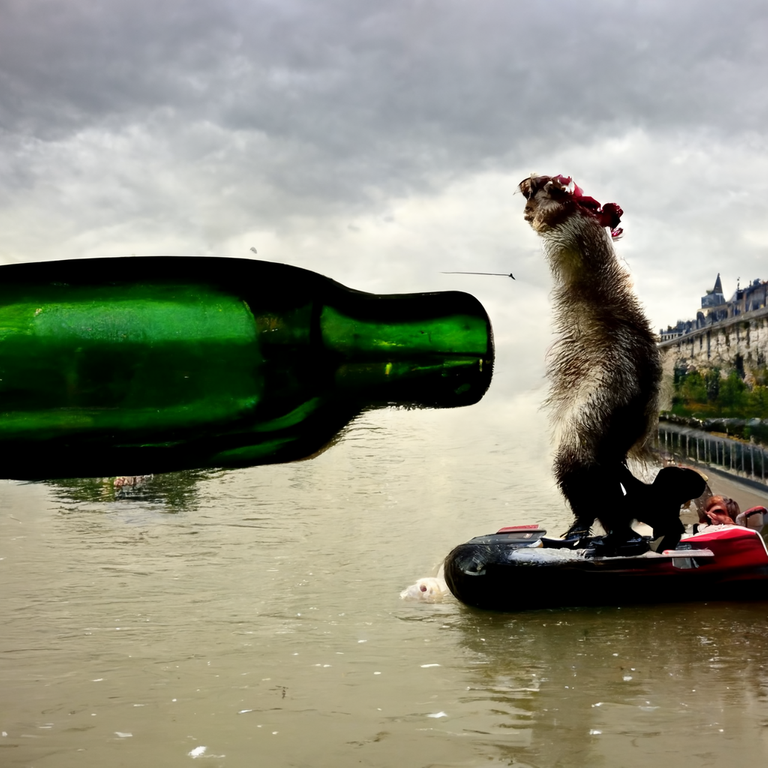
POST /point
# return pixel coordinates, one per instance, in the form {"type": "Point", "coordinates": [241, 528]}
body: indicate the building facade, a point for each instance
{"type": "Point", "coordinates": [716, 309]}
{"type": "Point", "coordinates": [726, 335]}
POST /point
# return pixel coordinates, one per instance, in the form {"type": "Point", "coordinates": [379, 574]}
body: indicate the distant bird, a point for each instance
{"type": "Point", "coordinates": [253, 249]}
{"type": "Point", "coordinates": [494, 274]}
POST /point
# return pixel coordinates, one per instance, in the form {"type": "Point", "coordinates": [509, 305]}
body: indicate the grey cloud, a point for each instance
{"type": "Point", "coordinates": [195, 123]}
{"type": "Point", "coordinates": [394, 77]}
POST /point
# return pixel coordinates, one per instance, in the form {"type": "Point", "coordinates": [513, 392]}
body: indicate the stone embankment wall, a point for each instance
{"type": "Point", "coordinates": [741, 340]}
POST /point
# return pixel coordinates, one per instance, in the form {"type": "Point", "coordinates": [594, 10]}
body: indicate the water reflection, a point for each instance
{"type": "Point", "coordinates": [173, 491]}
{"type": "Point", "coordinates": [593, 687]}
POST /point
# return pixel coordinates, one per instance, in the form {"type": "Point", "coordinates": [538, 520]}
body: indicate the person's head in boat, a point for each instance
{"type": "Point", "coordinates": [719, 510]}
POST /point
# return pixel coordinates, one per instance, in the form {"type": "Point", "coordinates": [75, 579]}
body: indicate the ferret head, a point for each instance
{"type": "Point", "coordinates": [552, 200]}
{"type": "Point", "coordinates": [549, 202]}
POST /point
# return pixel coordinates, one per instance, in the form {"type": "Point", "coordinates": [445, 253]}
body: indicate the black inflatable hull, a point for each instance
{"type": "Point", "coordinates": [499, 572]}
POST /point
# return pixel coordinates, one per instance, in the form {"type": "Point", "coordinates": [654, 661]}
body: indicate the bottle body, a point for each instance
{"type": "Point", "coordinates": [158, 363]}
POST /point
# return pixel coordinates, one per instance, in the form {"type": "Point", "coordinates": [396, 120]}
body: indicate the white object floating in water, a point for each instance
{"type": "Point", "coordinates": [123, 735]}
{"type": "Point", "coordinates": [198, 752]}
{"type": "Point", "coordinates": [429, 590]}
{"type": "Point", "coordinates": [439, 714]}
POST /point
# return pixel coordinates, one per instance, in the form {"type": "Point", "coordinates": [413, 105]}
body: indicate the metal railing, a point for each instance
{"type": "Point", "coordinates": [747, 460]}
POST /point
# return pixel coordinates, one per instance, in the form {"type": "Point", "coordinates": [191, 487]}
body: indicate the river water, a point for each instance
{"type": "Point", "coordinates": [253, 618]}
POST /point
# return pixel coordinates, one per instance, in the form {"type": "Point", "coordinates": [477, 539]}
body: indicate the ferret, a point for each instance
{"type": "Point", "coordinates": [427, 590]}
{"type": "Point", "coordinates": [604, 368]}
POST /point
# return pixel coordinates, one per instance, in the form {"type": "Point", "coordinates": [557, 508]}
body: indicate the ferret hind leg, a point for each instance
{"type": "Point", "coordinates": [617, 518]}
{"type": "Point", "coordinates": [593, 491]}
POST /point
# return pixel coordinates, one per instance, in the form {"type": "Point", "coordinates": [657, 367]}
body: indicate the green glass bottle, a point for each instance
{"type": "Point", "coordinates": [152, 364]}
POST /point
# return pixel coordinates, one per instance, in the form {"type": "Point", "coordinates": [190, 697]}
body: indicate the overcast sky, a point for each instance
{"type": "Point", "coordinates": [380, 143]}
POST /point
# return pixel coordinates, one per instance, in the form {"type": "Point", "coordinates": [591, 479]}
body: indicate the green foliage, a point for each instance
{"type": "Point", "coordinates": [692, 388]}
{"type": "Point", "coordinates": [761, 376]}
{"type": "Point", "coordinates": [709, 395]}
{"type": "Point", "coordinates": [757, 402]}
{"type": "Point", "coordinates": [733, 395]}
{"type": "Point", "coordinates": [713, 385]}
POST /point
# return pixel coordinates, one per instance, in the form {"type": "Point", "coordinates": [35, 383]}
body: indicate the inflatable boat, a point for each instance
{"type": "Point", "coordinates": [513, 570]}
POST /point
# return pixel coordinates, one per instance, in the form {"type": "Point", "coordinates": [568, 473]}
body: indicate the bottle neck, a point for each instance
{"type": "Point", "coordinates": [412, 325]}
{"type": "Point", "coordinates": [430, 350]}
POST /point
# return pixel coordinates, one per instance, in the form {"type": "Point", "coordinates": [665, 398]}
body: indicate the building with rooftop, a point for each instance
{"type": "Point", "coordinates": [715, 308]}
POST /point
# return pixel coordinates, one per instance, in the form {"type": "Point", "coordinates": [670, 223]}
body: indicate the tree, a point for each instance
{"type": "Point", "coordinates": [733, 394]}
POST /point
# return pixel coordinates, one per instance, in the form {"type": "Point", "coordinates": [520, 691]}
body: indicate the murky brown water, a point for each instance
{"type": "Point", "coordinates": [253, 618]}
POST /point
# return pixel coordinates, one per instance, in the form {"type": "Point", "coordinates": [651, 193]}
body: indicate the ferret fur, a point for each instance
{"type": "Point", "coordinates": [604, 368]}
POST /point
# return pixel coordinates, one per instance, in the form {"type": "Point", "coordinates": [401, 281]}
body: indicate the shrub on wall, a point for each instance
{"type": "Point", "coordinates": [711, 395]}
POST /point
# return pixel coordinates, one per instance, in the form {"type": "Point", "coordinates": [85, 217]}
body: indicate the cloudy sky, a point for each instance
{"type": "Point", "coordinates": [381, 143]}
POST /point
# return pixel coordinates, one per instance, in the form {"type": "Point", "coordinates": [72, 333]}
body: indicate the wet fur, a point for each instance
{"type": "Point", "coordinates": [604, 368]}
